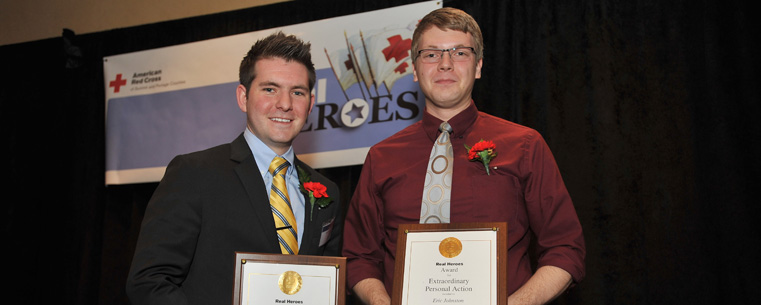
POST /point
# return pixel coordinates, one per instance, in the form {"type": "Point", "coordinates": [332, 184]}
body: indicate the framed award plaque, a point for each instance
{"type": "Point", "coordinates": [463, 263]}
{"type": "Point", "coordinates": [264, 279]}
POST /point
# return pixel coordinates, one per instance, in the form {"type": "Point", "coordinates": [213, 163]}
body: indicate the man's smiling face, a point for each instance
{"type": "Point", "coordinates": [447, 85]}
{"type": "Point", "coordinates": [277, 103]}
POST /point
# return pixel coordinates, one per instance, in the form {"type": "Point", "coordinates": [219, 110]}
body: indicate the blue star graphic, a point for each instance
{"type": "Point", "coordinates": [355, 112]}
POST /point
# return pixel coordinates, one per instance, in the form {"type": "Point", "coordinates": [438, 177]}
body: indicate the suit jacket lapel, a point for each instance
{"type": "Point", "coordinates": [258, 196]}
{"type": "Point", "coordinates": [307, 241]}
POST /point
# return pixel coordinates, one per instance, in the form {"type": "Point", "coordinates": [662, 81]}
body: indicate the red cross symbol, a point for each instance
{"type": "Point", "coordinates": [349, 65]}
{"type": "Point", "coordinates": [401, 68]}
{"type": "Point", "coordinates": [118, 82]}
{"type": "Point", "coordinates": [398, 48]}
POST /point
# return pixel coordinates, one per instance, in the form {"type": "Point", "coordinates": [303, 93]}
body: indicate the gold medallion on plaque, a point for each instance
{"type": "Point", "coordinates": [450, 247]}
{"type": "Point", "coordinates": [289, 282]}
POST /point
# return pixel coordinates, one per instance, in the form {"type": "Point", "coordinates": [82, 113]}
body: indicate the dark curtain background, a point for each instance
{"type": "Point", "coordinates": [649, 106]}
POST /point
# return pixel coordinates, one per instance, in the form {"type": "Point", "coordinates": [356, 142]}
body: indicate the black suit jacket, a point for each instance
{"type": "Point", "coordinates": [209, 205]}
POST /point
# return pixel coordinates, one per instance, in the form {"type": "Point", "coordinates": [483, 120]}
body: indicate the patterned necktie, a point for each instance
{"type": "Point", "coordinates": [438, 180]}
{"type": "Point", "coordinates": [285, 222]}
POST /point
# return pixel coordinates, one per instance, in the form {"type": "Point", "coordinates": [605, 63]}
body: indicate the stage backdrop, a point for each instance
{"type": "Point", "coordinates": [179, 99]}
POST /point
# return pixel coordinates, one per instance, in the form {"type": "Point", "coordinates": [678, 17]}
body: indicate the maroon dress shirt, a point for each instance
{"type": "Point", "coordinates": [525, 189]}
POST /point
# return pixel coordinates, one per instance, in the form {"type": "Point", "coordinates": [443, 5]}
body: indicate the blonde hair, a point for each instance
{"type": "Point", "coordinates": [448, 18]}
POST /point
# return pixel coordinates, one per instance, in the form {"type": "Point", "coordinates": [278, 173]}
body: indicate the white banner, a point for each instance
{"type": "Point", "coordinates": [180, 99]}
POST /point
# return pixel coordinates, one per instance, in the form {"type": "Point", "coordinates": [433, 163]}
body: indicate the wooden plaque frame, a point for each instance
{"type": "Point", "coordinates": [401, 245]}
{"type": "Point", "coordinates": [338, 262]}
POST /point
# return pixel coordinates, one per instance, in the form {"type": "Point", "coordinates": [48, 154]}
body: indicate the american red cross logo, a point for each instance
{"type": "Point", "coordinates": [398, 48]}
{"type": "Point", "coordinates": [118, 82]}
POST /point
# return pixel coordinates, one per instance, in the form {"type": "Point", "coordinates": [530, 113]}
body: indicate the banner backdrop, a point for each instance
{"type": "Point", "coordinates": [179, 99]}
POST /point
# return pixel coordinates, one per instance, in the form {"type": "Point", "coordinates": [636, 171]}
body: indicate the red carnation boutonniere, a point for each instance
{"type": "Point", "coordinates": [483, 151]}
{"type": "Point", "coordinates": [317, 192]}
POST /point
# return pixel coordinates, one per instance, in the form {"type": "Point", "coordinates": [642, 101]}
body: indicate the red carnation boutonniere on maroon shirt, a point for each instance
{"type": "Point", "coordinates": [483, 151]}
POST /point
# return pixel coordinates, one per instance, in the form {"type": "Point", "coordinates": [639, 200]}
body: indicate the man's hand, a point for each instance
{"type": "Point", "coordinates": [544, 286]}
{"type": "Point", "coordinates": [371, 291]}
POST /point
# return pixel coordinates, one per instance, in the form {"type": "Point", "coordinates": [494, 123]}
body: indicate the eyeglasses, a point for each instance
{"type": "Point", "coordinates": [431, 56]}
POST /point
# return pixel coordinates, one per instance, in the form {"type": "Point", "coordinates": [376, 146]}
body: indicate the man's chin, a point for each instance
{"type": "Point", "coordinates": [446, 102]}
{"type": "Point", "coordinates": [284, 140]}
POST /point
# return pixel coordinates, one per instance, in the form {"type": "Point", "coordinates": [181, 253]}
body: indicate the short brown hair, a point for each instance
{"type": "Point", "coordinates": [447, 18]}
{"type": "Point", "coordinates": [277, 45]}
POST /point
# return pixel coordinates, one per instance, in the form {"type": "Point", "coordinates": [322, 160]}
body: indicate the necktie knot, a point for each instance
{"type": "Point", "coordinates": [445, 127]}
{"type": "Point", "coordinates": [278, 165]}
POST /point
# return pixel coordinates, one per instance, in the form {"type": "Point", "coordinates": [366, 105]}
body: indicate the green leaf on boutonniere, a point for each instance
{"type": "Point", "coordinates": [318, 193]}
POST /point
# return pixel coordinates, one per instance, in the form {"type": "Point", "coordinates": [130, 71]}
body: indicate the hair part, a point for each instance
{"type": "Point", "coordinates": [277, 45]}
{"type": "Point", "coordinates": [448, 18]}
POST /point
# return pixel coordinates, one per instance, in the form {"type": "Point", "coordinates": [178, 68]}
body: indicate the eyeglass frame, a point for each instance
{"type": "Point", "coordinates": [448, 50]}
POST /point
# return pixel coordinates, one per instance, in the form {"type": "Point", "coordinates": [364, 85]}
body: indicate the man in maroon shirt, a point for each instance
{"type": "Point", "coordinates": [523, 186]}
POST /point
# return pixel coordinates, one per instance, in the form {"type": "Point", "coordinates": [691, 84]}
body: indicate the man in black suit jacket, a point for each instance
{"type": "Point", "coordinates": [214, 202]}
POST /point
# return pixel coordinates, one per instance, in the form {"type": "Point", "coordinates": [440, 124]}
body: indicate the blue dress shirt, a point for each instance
{"type": "Point", "coordinates": [263, 156]}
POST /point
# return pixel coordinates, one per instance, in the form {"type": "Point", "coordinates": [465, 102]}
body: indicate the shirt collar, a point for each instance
{"type": "Point", "coordinates": [264, 155]}
{"type": "Point", "coordinates": [461, 123]}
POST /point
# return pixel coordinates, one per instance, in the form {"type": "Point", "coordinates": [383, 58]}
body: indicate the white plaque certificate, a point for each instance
{"type": "Point", "coordinates": [450, 267]}
{"type": "Point", "coordinates": [280, 282]}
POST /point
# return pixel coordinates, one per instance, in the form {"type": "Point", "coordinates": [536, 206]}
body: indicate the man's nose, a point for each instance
{"type": "Point", "coordinates": [285, 102]}
{"type": "Point", "coordinates": [445, 63]}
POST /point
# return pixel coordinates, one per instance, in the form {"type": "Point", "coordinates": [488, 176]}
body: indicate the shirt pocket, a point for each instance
{"type": "Point", "coordinates": [496, 198]}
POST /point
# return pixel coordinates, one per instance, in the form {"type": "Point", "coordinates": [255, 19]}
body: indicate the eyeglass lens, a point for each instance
{"type": "Point", "coordinates": [456, 54]}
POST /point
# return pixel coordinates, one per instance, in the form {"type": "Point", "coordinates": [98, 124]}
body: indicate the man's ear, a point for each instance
{"type": "Point", "coordinates": [478, 68]}
{"type": "Point", "coordinates": [311, 104]}
{"type": "Point", "coordinates": [241, 96]}
{"type": "Point", "coordinates": [414, 72]}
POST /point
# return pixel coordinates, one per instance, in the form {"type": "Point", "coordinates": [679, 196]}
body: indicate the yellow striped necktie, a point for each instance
{"type": "Point", "coordinates": [285, 222]}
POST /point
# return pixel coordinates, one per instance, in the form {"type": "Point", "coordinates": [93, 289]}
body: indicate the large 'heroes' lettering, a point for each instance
{"type": "Point", "coordinates": [326, 113]}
